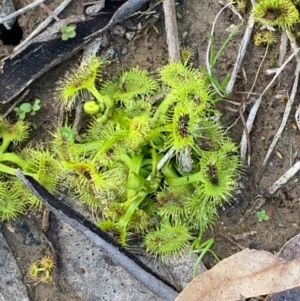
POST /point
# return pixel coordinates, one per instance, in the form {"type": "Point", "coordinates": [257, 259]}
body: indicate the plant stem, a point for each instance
{"type": "Point", "coordinates": [96, 93]}
{"type": "Point", "coordinates": [80, 149]}
{"type": "Point", "coordinates": [185, 180]}
{"type": "Point", "coordinates": [14, 158]}
{"type": "Point", "coordinates": [134, 204]}
{"type": "Point", "coordinates": [170, 172]}
{"type": "Point", "coordinates": [12, 171]}
{"type": "Point", "coordinates": [5, 143]}
{"type": "Point", "coordinates": [163, 108]}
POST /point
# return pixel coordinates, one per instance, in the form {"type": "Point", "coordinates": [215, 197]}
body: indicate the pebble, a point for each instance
{"type": "Point", "coordinates": [184, 34]}
{"type": "Point", "coordinates": [124, 50]}
{"type": "Point", "coordinates": [119, 31]}
{"type": "Point", "coordinates": [129, 35]}
{"type": "Point", "coordinates": [105, 40]}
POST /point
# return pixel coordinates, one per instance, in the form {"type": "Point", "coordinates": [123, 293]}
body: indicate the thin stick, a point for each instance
{"type": "Point", "coordinates": [282, 52]}
{"type": "Point", "coordinates": [285, 177]}
{"type": "Point", "coordinates": [16, 103]}
{"type": "Point", "coordinates": [256, 105]}
{"type": "Point", "coordinates": [233, 8]}
{"type": "Point", "coordinates": [21, 11]}
{"type": "Point", "coordinates": [49, 11]}
{"type": "Point", "coordinates": [257, 72]}
{"type": "Point", "coordinates": [241, 112]}
{"type": "Point", "coordinates": [44, 24]}
{"type": "Point", "coordinates": [171, 30]}
{"type": "Point", "coordinates": [164, 160]}
{"type": "Point", "coordinates": [241, 54]}
{"type": "Point", "coordinates": [287, 108]}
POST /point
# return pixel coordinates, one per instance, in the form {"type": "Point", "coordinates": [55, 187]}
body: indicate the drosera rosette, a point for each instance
{"type": "Point", "coordinates": [41, 270]}
{"type": "Point", "coordinates": [36, 163]}
{"type": "Point", "coordinates": [183, 83]}
{"type": "Point", "coordinates": [264, 37]}
{"type": "Point", "coordinates": [129, 85]}
{"type": "Point", "coordinates": [276, 13]}
{"type": "Point", "coordinates": [114, 170]}
{"type": "Point", "coordinates": [11, 203]}
{"type": "Point", "coordinates": [215, 179]}
{"type": "Point", "coordinates": [40, 163]}
{"type": "Point", "coordinates": [85, 78]}
{"type": "Point", "coordinates": [79, 79]}
{"type": "Point", "coordinates": [12, 133]}
{"type": "Point", "coordinates": [168, 239]}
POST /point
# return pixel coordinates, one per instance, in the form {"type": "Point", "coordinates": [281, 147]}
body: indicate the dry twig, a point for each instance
{"type": "Point", "coordinates": [44, 24]}
{"type": "Point", "coordinates": [290, 101]}
{"type": "Point", "coordinates": [285, 177]}
{"type": "Point", "coordinates": [233, 8]}
{"type": "Point", "coordinates": [256, 105]}
{"type": "Point", "coordinates": [21, 11]}
{"type": "Point", "coordinates": [16, 103]}
{"type": "Point", "coordinates": [49, 11]}
{"type": "Point", "coordinates": [241, 54]}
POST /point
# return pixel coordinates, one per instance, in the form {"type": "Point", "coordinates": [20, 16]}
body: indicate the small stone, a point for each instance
{"type": "Point", "coordinates": [119, 31]}
{"type": "Point", "coordinates": [184, 34]}
{"type": "Point", "coordinates": [112, 53]}
{"type": "Point", "coordinates": [129, 25]}
{"type": "Point", "coordinates": [179, 16]}
{"type": "Point", "coordinates": [105, 40]}
{"type": "Point", "coordinates": [129, 35]}
{"type": "Point", "coordinates": [124, 50]}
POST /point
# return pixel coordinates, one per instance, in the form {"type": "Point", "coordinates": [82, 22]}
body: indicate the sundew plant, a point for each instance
{"type": "Point", "coordinates": [155, 167]}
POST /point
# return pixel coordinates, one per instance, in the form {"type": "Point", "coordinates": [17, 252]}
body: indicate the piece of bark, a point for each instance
{"type": "Point", "coordinates": [48, 50]}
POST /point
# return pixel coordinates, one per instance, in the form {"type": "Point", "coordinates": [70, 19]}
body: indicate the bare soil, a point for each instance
{"type": "Point", "coordinates": [234, 229]}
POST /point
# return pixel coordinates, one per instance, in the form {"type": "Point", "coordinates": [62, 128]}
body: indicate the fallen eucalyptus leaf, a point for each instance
{"type": "Point", "coordinates": [248, 273]}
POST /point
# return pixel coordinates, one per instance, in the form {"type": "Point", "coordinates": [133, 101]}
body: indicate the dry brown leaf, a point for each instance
{"type": "Point", "coordinates": [248, 273]}
{"type": "Point", "coordinates": [289, 252]}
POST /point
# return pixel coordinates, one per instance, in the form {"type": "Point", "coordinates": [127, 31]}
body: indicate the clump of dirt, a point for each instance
{"type": "Point", "coordinates": [235, 229]}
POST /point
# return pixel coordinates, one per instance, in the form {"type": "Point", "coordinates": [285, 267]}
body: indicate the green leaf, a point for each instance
{"type": "Point", "coordinates": [262, 216]}
{"type": "Point", "coordinates": [22, 115]}
{"type": "Point", "coordinates": [72, 34]}
{"type": "Point", "coordinates": [72, 27]}
{"type": "Point", "coordinates": [65, 37]}
{"type": "Point", "coordinates": [64, 29]}
{"type": "Point", "coordinates": [26, 107]}
{"type": "Point", "coordinates": [36, 106]}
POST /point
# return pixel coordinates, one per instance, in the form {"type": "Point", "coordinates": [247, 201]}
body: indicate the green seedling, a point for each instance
{"type": "Point", "coordinates": [262, 216]}
{"type": "Point", "coordinates": [68, 32]}
{"type": "Point", "coordinates": [27, 108]}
